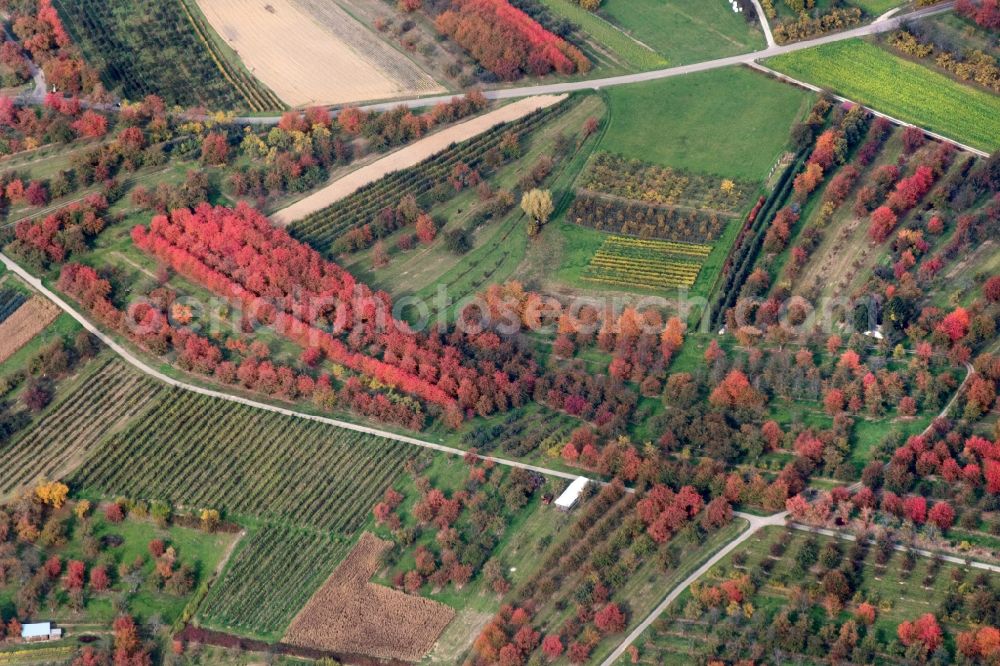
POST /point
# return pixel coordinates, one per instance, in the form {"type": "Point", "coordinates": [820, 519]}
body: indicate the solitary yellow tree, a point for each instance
{"type": "Point", "coordinates": [537, 204]}
{"type": "Point", "coordinates": [52, 493]}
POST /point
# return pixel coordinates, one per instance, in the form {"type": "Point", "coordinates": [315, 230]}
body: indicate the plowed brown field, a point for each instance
{"type": "Point", "coordinates": [349, 614]}
{"type": "Point", "coordinates": [313, 52]}
{"type": "Point", "coordinates": [26, 322]}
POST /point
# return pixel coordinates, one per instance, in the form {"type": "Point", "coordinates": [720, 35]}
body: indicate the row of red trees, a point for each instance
{"type": "Point", "coordinates": [984, 12]}
{"type": "Point", "coordinates": [507, 41]}
{"type": "Point", "coordinates": [285, 284]}
{"type": "Point", "coordinates": [839, 505]}
{"type": "Point", "coordinates": [148, 324]}
{"type": "Point", "coordinates": [909, 191]}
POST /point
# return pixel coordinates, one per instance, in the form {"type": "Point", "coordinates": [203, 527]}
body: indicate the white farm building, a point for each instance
{"type": "Point", "coordinates": [571, 495]}
{"type": "Point", "coordinates": [40, 631]}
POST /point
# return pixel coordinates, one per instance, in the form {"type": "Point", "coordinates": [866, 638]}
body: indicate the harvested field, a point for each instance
{"type": "Point", "coordinates": [26, 322]}
{"type": "Point", "coordinates": [349, 614]}
{"type": "Point", "coordinates": [313, 52]}
{"type": "Point", "coordinates": [409, 156]}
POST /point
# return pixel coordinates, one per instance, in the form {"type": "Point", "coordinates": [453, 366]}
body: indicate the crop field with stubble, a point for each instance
{"type": "Point", "coordinates": [291, 44]}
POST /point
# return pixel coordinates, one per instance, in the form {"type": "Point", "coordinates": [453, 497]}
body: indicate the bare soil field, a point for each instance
{"type": "Point", "coordinates": [26, 322]}
{"type": "Point", "coordinates": [409, 156]}
{"type": "Point", "coordinates": [349, 614]}
{"type": "Point", "coordinates": [313, 52]}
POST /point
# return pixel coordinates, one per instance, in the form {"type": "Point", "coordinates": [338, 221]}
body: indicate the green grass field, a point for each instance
{"type": "Point", "coordinates": [609, 36]}
{"type": "Point", "coordinates": [730, 122]}
{"type": "Point", "coordinates": [685, 31]}
{"type": "Point", "coordinates": [876, 7]}
{"type": "Point", "coordinates": [906, 90]}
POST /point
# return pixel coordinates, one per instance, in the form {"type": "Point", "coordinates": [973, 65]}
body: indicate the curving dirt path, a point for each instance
{"type": "Point", "coordinates": [409, 156]}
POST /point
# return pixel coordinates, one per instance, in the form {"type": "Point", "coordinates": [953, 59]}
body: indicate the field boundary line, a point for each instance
{"type": "Point", "coordinates": [140, 365]}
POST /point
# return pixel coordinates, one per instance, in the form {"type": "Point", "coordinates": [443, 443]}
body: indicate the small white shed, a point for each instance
{"type": "Point", "coordinates": [40, 631]}
{"type": "Point", "coordinates": [571, 495]}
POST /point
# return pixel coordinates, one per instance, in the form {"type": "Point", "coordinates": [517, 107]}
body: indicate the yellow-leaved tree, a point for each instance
{"type": "Point", "coordinates": [52, 493]}
{"type": "Point", "coordinates": [537, 204]}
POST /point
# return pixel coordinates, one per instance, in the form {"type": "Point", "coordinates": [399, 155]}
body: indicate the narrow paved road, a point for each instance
{"type": "Point", "coordinates": [757, 523]}
{"type": "Point", "coordinates": [156, 374]}
{"type": "Point", "coordinates": [881, 25]}
{"type": "Point", "coordinates": [762, 17]}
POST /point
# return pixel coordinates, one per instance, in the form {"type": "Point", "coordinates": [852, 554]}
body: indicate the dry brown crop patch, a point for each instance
{"type": "Point", "coordinates": [313, 52]}
{"type": "Point", "coordinates": [26, 322]}
{"type": "Point", "coordinates": [350, 614]}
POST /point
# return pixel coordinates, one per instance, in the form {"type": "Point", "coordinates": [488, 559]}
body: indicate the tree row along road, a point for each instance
{"type": "Point", "coordinates": [900, 547]}
{"type": "Point", "coordinates": [140, 365]}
